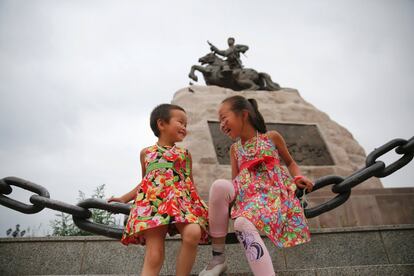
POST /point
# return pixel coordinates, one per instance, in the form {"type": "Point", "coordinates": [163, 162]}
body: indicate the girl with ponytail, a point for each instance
{"type": "Point", "coordinates": [262, 192]}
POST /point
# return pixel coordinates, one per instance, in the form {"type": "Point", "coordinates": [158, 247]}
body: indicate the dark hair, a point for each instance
{"type": "Point", "coordinates": [239, 103]}
{"type": "Point", "coordinates": [162, 112]}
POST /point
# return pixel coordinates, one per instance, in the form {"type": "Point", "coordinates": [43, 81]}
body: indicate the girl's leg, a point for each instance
{"type": "Point", "coordinates": [256, 252]}
{"type": "Point", "coordinates": [190, 235]}
{"type": "Point", "coordinates": [221, 195]}
{"type": "Point", "coordinates": [154, 250]}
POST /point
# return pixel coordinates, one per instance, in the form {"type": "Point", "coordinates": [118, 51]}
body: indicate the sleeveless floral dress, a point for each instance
{"type": "Point", "coordinates": [166, 196]}
{"type": "Point", "coordinates": [265, 193]}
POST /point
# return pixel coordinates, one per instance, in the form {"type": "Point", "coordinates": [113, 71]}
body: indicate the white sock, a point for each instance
{"type": "Point", "coordinates": [218, 255]}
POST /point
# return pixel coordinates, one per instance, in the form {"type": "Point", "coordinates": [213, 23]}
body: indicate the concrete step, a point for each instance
{"type": "Point", "coordinates": [389, 270]}
{"type": "Point", "coordinates": [386, 250]}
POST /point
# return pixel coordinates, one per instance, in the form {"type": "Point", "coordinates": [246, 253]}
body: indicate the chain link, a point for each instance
{"type": "Point", "coordinates": [404, 160]}
{"type": "Point", "coordinates": [332, 203]}
{"type": "Point", "coordinates": [408, 147]}
{"type": "Point", "coordinates": [359, 177]}
{"type": "Point", "coordinates": [60, 206]}
{"type": "Point", "coordinates": [4, 188]}
{"type": "Point", "coordinates": [81, 214]}
{"type": "Point", "coordinates": [105, 230]}
{"type": "Point", "coordinates": [20, 206]}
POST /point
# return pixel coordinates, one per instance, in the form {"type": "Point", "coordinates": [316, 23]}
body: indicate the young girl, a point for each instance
{"type": "Point", "coordinates": [263, 193]}
{"type": "Point", "coordinates": [166, 199]}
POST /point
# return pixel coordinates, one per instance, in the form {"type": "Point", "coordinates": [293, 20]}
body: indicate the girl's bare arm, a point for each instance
{"type": "Point", "coordinates": [233, 162]}
{"type": "Point", "coordinates": [190, 159]}
{"type": "Point", "coordinates": [291, 165]}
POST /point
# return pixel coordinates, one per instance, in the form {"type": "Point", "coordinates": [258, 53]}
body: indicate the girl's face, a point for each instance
{"type": "Point", "coordinates": [176, 129]}
{"type": "Point", "coordinates": [231, 123]}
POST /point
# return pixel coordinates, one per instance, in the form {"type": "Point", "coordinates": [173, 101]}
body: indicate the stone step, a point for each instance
{"type": "Point", "coordinates": [355, 251]}
{"type": "Point", "coordinates": [389, 270]}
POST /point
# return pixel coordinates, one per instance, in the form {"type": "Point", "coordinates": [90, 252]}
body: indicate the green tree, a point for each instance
{"type": "Point", "coordinates": [63, 224]}
{"type": "Point", "coordinates": [100, 216]}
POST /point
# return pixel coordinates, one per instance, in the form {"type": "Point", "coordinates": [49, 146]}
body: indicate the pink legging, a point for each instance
{"type": "Point", "coordinates": [222, 193]}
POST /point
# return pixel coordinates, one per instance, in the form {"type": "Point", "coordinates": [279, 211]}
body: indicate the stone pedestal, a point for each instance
{"type": "Point", "coordinates": [318, 144]}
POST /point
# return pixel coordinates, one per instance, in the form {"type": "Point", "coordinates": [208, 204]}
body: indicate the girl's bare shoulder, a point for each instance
{"type": "Point", "coordinates": [274, 135]}
{"type": "Point", "coordinates": [144, 150]}
{"type": "Point", "coordinates": [233, 147]}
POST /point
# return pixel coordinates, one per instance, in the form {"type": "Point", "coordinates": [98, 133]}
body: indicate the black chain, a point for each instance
{"type": "Point", "coordinates": [81, 213]}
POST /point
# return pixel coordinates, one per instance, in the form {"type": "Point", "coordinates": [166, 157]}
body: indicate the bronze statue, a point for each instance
{"type": "Point", "coordinates": [230, 73]}
{"type": "Point", "coordinates": [232, 54]}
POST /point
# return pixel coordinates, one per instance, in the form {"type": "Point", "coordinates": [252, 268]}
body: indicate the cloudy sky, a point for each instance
{"type": "Point", "coordinates": [78, 79]}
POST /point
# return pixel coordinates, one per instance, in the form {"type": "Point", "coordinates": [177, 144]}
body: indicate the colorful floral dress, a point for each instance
{"type": "Point", "coordinates": [166, 196]}
{"type": "Point", "coordinates": [265, 193]}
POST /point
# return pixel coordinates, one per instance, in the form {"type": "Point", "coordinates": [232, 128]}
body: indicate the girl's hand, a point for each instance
{"type": "Point", "coordinates": [116, 199]}
{"type": "Point", "coordinates": [304, 183]}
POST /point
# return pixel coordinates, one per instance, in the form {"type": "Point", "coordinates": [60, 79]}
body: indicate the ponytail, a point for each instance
{"type": "Point", "coordinates": [239, 103]}
{"type": "Point", "coordinates": [257, 119]}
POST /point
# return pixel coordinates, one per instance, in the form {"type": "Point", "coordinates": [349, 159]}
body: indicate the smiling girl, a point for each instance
{"type": "Point", "coordinates": [166, 200]}
{"type": "Point", "coordinates": [262, 192]}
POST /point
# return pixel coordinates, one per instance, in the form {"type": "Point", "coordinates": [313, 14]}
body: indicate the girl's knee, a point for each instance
{"type": "Point", "coordinates": [154, 256]}
{"type": "Point", "coordinates": [238, 223]}
{"type": "Point", "coordinates": [242, 224]}
{"type": "Point", "coordinates": [191, 234]}
{"type": "Point", "coordinates": [220, 184]}
{"type": "Point", "coordinates": [220, 188]}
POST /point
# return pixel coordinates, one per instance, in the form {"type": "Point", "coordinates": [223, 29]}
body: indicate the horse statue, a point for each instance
{"type": "Point", "coordinates": [237, 79]}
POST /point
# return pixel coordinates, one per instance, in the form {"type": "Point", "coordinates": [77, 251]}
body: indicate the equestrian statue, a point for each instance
{"type": "Point", "coordinates": [230, 72]}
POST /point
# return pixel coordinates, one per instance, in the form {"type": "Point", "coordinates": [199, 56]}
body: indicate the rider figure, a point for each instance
{"type": "Point", "coordinates": [232, 55]}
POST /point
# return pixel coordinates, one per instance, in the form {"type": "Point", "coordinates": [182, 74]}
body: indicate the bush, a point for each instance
{"type": "Point", "coordinates": [63, 225]}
